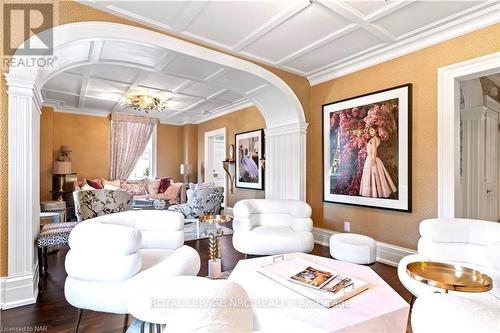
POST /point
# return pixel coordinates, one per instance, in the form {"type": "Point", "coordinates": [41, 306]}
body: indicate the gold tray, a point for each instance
{"type": "Point", "coordinates": [215, 218]}
{"type": "Point", "coordinates": [449, 277]}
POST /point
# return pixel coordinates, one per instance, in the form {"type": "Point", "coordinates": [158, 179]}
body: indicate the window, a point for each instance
{"type": "Point", "coordinates": [146, 165]}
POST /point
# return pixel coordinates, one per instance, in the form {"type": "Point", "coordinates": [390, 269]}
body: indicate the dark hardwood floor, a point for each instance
{"type": "Point", "coordinates": [54, 315]}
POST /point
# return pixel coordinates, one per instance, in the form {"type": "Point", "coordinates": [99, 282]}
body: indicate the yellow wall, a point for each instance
{"type": "Point", "coordinates": [89, 138]}
{"type": "Point", "coordinates": [190, 149]}
{"type": "Point", "coordinates": [169, 151]}
{"type": "Point", "coordinates": [244, 120]}
{"type": "Point", "coordinates": [420, 69]}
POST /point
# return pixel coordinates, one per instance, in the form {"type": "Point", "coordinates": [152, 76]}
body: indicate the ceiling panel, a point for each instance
{"type": "Point", "coordinates": [191, 67]}
{"type": "Point", "coordinates": [419, 14]}
{"type": "Point", "coordinates": [229, 96]}
{"type": "Point", "coordinates": [240, 18]}
{"type": "Point", "coordinates": [165, 12]}
{"type": "Point", "coordinates": [106, 85]}
{"type": "Point", "coordinates": [182, 101]}
{"type": "Point", "coordinates": [65, 82]}
{"type": "Point", "coordinates": [335, 50]}
{"type": "Point", "coordinates": [202, 89]}
{"type": "Point", "coordinates": [162, 81]}
{"type": "Point", "coordinates": [115, 73]}
{"type": "Point", "coordinates": [326, 23]}
{"type": "Point", "coordinates": [66, 99]}
{"type": "Point", "coordinates": [75, 52]}
{"type": "Point", "coordinates": [367, 7]}
{"type": "Point", "coordinates": [131, 53]}
{"type": "Point", "coordinates": [99, 104]}
{"type": "Point", "coordinates": [240, 81]}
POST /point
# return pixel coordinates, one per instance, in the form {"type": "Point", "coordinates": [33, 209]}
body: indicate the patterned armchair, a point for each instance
{"type": "Point", "coordinates": [94, 203]}
{"type": "Point", "coordinates": [201, 202]}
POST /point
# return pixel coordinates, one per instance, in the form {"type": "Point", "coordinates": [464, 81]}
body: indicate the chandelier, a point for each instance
{"type": "Point", "coordinates": [144, 103]}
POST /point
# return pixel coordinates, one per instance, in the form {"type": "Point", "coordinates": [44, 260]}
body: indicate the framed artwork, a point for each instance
{"type": "Point", "coordinates": [249, 148]}
{"type": "Point", "coordinates": [367, 150]}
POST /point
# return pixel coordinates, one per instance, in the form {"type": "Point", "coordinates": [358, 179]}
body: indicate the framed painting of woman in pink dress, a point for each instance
{"type": "Point", "coordinates": [249, 153]}
{"type": "Point", "coordinates": [367, 150]}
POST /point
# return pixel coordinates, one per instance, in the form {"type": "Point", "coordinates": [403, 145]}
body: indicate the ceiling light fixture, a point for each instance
{"type": "Point", "coordinates": [144, 103]}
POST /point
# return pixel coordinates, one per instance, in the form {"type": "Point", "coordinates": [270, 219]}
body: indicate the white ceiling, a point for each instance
{"type": "Point", "coordinates": [318, 39]}
{"type": "Point", "coordinates": [198, 90]}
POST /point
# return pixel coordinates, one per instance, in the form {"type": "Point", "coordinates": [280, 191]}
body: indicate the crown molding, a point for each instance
{"type": "Point", "coordinates": [464, 25]}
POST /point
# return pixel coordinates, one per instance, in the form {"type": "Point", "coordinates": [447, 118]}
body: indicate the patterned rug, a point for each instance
{"type": "Point", "coordinates": [205, 228]}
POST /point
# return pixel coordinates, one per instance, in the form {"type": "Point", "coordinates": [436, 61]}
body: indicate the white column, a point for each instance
{"type": "Point", "coordinates": [24, 191]}
{"type": "Point", "coordinates": [286, 162]}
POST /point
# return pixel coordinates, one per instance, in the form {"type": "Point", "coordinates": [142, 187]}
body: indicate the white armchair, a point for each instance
{"type": "Point", "coordinates": [268, 227]}
{"type": "Point", "coordinates": [470, 243]}
{"type": "Point", "coordinates": [113, 254]}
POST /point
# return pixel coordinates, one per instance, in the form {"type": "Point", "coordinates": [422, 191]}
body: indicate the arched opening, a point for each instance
{"type": "Point", "coordinates": [282, 111]}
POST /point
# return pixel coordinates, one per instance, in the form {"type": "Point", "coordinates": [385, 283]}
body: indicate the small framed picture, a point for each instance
{"type": "Point", "coordinates": [249, 148]}
{"type": "Point", "coordinates": [367, 150]}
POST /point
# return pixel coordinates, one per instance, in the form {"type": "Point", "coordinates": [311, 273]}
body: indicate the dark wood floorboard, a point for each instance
{"type": "Point", "coordinates": [54, 315]}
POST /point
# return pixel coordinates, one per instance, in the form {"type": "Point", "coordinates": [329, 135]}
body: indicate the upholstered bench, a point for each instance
{"type": "Point", "coordinates": [358, 249]}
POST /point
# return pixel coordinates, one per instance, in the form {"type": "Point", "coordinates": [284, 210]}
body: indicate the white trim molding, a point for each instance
{"type": "Point", "coordinates": [449, 79]}
{"type": "Point", "coordinates": [18, 290]}
{"type": "Point", "coordinates": [388, 254]}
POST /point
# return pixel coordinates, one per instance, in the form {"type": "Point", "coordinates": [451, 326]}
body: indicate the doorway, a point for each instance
{"type": "Point", "coordinates": [214, 154]}
{"type": "Point", "coordinates": [465, 158]}
{"type": "Point", "coordinates": [479, 148]}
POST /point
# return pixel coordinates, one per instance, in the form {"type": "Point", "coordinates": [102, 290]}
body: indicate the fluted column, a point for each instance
{"type": "Point", "coordinates": [286, 162]}
{"type": "Point", "coordinates": [24, 191]}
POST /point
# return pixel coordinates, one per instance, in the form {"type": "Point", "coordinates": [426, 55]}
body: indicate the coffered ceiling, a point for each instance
{"type": "Point", "coordinates": [318, 39]}
{"type": "Point", "coordinates": [197, 90]}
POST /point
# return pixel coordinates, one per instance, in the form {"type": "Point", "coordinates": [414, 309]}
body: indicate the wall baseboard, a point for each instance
{"type": "Point", "coordinates": [18, 290]}
{"type": "Point", "coordinates": [388, 254]}
{"type": "Point", "coordinates": [228, 211]}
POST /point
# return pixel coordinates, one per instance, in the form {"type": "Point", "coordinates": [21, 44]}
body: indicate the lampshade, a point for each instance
{"type": "Point", "coordinates": [61, 167]}
{"type": "Point", "coordinates": [183, 169]}
{"type": "Point", "coordinates": [186, 169]}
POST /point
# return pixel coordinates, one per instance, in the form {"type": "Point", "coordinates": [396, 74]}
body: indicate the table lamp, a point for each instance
{"type": "Point", "coordinates": [61, 168]}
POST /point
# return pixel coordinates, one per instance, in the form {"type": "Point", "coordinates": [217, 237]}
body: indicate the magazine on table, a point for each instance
{"type": "Point", "coordinates": [318, 283]}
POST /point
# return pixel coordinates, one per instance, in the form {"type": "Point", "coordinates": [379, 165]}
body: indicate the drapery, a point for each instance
{"type": "Point", "coordinates": [129, 137]}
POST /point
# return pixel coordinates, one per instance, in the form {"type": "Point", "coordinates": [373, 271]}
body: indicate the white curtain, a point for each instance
{"type": "Point", "coordinates": [129, 138]}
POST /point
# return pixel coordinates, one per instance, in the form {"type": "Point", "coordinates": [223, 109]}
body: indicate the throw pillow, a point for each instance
{"type": "Point", "coordinates": [111, 187]}
{"type": "Point", "coordinates": [95, 183]}
{"type": "Point", "coordinates": [152, 186]}
{"type": "Point", "coordinates": [114, 183]}
{"type": "Point", "coordinates": [164, 184]}
{"type": "Point", "coordinates": [203, 186]}
{"type": "Point", "coordinates": [135, 189]}
{"type": "Point", "coordinates": [86, 187]}
{"type": "Point", "coordinates": [172, 192]}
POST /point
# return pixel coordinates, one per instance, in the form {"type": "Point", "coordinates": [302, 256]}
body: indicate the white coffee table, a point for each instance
{"type": "Point", "coordinates": [279, 309]}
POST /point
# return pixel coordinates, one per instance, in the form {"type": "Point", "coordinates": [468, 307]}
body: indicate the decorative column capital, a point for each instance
{"type": "Point", "coordinates": [23, 86]}
{"type": "Point", "coordinates": [287, 129]}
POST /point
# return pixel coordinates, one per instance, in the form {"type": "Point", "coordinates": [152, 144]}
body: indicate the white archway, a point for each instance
{"type": "Point", "coordinates": [282, 111]}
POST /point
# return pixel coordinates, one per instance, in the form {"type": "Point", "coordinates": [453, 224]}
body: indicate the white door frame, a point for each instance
{"type": "Point", "coordinates": [219, 131]}
{"type": "Point", "coordinates": [449, 79]}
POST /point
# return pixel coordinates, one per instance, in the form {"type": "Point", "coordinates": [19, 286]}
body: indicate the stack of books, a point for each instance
{"type": "Point", "coordinates": [318, 283]}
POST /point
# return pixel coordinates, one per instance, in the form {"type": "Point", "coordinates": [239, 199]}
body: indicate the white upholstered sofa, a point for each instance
{"type": "Point", "coordinates": [269, 227]}
{"type": "Point", "coordinates": [470, 243]}
{"type": "Point", "coordinates": [113, 254]}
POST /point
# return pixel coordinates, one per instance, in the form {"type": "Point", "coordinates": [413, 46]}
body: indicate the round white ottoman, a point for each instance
{"type": "Point", "coordinates": [358, 249]}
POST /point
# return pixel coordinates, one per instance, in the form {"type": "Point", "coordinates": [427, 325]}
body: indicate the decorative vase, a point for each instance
{"type": "Point", "coordinates": [159, 204]}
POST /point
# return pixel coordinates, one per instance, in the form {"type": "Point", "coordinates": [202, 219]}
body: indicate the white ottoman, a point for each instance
{"type": "Point", "coordinates": [192, 304]}
{"type": "Point", "coordinates": [358, 249]}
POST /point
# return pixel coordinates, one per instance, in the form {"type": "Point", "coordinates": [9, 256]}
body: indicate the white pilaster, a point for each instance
{"type": "Point", "coordinates": [20, 286]}
{"type": "Point", "coordinates": [286, 162]}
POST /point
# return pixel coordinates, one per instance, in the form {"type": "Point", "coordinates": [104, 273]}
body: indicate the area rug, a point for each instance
{"type": "Point", "coordinates": [205, 228]}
